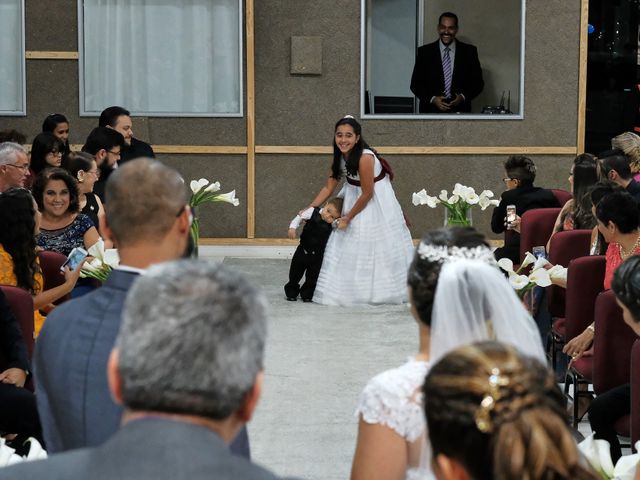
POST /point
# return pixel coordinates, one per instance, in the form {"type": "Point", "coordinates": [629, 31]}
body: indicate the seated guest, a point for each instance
{"type": "Point", "coordinates": [617, 215]}
{"type": "Point", "coordinates": [119, 119]}
{"type": "Point", "coordinates": [493, 413]}
{"type": "Point", "coordinates": [13, 136]}
{"type": "Point", "coordinates": [62, 227]}
{"type": "Point", "coordinates": [148, 219]}
{"type": "Point", "coordinates": [629, 144]}
{"type": "Point", "coordinates": [18, 412]}
{"type": "Point", "coordinates": [46, 151]}
{"type": "Point", "coordinates": [105, 144]}
{"type": "Point", "coordinates": [14, 165]}
{"type": "Point", "coordinates": [458, 296]}
{"type": "Point", "coordinates": [19, 224]}
{"type": "Point", "coordinates": [608, 407]}
{"type": "Point", "coordinates": [58, 124]}
{"type": "Point", "coordinates": [597, 193]}
{"type": "Point", "coordinates": [616, 168]}
{"type": "Point", "coordinates": [576, 213]}
{"type": "Point", "coordinates": [520, 173]}
{"type": "Point", "coordinates": [188, 369]}
{"type": "Point", "coordinates": [82, 166]}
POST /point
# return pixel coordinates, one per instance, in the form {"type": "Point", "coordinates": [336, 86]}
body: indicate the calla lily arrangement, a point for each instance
{"type": "Point", "coordinates": [104, 261]}
{"type": "Point", "coordinates": [598, 454]}
{"type": "Point", "coordinates": [458, 204]}
{"type": "Point", "coordinates": [205, 192]}
{"type": "Point", "coordinates": [541, 274]}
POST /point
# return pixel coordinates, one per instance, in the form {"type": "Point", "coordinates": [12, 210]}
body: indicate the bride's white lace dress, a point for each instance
{"type": "Point", "coordinates": [393, 398]}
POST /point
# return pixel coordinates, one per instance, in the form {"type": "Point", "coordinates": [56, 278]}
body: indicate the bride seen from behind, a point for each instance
{"type": "Point", "coordinates": [458, 296]}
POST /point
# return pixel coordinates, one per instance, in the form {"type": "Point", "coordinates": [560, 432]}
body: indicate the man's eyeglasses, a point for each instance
{"type": "Point", "coordinates": [24, 167]}
{"type": "Point", "coordinates": [117, 154]}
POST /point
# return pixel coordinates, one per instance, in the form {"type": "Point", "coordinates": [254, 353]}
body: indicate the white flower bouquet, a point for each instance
{"type": "Point", "coordinates": [8, 455]}
{"type": "Point", "coordinates": [541, 274]}
{"type": "Point", "coordinates": [458, 205]}
{"type": "Point", "coordinates": [598, 454]}
{"type": "Point", "coordinates": [103, 262]}
{"type": "Point", "coordinates": [205, 192]}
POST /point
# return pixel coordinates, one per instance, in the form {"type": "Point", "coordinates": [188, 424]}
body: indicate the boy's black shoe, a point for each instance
{"type": "Point", "coordinates": [292, 299]}
{"type": "Point", "coordinates": [307, 300]}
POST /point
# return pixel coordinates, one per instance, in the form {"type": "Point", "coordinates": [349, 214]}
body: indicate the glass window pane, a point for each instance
{"type": "Point", "coordinates": [12, 93]}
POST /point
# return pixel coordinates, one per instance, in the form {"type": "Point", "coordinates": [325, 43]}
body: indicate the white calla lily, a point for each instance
{"type": "Point", "coordinates": [111, 257]}
{"type": "Point", "coordinates": [194, 186]}
{"type": "Point", "coordinates": [540, 263]}
{"type": "Point", "coordinates": [486, 194]}
{"type": "Point", "coordinates": [529, 258]}
{"type": "Point", "coordinates": [518, 282]}
{"type": "Point", "coordinates": [453, 199]}
{"type": "Point", "coordinates": [214, 187]}
{"type": "Point", "coordinates": [484, 203]}
{"type": "Point", "coordinates": [229, 198]}
{"type": "Point", "coordinates": [444, 195]}
{"type": "Point", "coordinates": [598, 454]}
{"type": "Point", "coordinates": [540, 277]}
{"type": "Point", "coordinates": [472, 198]}
{"type": "Point", "coordinates": [420, 198]}
{"type": "Point", "coordinates": [97, 249]}
{"type": "Point", "coordinates": [506, 264]}
{"type": "Point", "coordinates": [432, 201]}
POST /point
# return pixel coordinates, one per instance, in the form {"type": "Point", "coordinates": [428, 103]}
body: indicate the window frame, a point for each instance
{"type": "Point", "coordinates": [22, 70]}
{"type": "Point", "coordinates": [83, 112]}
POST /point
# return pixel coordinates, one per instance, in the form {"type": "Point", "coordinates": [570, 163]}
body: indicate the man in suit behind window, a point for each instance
{"type": "Point", "coordinates": [447, 73]}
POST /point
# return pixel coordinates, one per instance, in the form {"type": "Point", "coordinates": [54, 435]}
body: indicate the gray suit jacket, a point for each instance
{"type": "Point", "coordinates": [150, 448]}
{"type": "Point", "coordinates": [74, 402]}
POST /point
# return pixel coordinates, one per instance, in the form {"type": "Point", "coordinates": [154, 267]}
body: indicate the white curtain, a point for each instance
{"type": "Point", "coordinates": [12, 55]}
{"type": "Point", "coordinates": [162, 57]}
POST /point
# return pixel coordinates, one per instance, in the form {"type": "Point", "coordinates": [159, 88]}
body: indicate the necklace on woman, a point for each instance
{"type": "Point", "coordinates": [624, 254]}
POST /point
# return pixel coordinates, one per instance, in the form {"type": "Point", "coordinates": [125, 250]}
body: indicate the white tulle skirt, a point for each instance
{"type": "Point", "coordinates": [367, 263]}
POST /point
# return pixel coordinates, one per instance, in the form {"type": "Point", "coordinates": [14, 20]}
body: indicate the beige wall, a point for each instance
{"type": "Point", "coordinates": [301, 111]}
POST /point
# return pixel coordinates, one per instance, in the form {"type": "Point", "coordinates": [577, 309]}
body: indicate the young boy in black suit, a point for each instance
{"type": "Point", "coordinates": [308, 256]}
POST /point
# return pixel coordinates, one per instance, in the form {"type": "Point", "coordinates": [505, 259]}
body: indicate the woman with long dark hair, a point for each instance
{"type": "Point", "coordinates": [367, 256]}
{"type": "Point", "coordinates": [46, 151]}
{"type": "Point", "coordinates": [58, 124]}
{"type": "Point", "coordinates": [19, 224]}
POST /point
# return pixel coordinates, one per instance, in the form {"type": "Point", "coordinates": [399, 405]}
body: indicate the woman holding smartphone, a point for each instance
{"type": "Point", "coordinates": [19, 224]}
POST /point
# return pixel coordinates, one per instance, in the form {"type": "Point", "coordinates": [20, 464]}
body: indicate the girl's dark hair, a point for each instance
{"type": "Point", "coordinates": [626, 285]}
{"type": "Point", "coordinates": [42, 179]}
{"type": "Point", "coordinates": [353, 160]}
{"type": "Point", "coordinates": [77, 161]}
{"type": "Point", "coordinates": [619, 208]}
{"type": "Point", "coordinates": [423, 273]}
{"type": "Point", "coordinates": [586, 173]}
{"type": "Point", "coordinates": [44, 143]}
{"type": "Point", "coordinates": [17, 225]}
{"type": "Point", "coordinates": [52, 121]}
{"type": "Point", "coordinates": [501, 415]}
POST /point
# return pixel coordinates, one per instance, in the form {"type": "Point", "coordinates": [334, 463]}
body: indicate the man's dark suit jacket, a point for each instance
{"type": "Point", "coordinates": [150, 448]}
{"type": "Point", "coordinates": [525, 197]}
{"type": "Point", "coordinates": [74, 401]}
{"type": "Point", "coordinates": [633, 189]}
{"type": "Point", "coordinates": [428, 79]}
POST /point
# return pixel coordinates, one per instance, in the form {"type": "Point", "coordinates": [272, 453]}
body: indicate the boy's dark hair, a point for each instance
{"type": "Point", "coordinates": [620, 163]}
{"type": "Point", "coordinates": [336, 202]}
{"type": "Point", "coordinates": [520, 168]}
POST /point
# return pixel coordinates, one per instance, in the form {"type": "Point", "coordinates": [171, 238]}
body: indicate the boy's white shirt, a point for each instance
{"type": "Point", "coordinates": [306, 215]}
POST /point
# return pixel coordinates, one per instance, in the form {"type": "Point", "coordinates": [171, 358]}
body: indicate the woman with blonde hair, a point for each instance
{"type": "Point", "coordinates": [494, 413]}
{"type": "Point", "coordinates": [629, 143]}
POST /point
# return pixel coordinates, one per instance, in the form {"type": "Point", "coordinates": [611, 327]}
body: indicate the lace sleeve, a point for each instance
{"type": "Point", "coordinates": [393, 400]}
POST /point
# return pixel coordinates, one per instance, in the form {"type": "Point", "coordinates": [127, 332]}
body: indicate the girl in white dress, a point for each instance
{"type": "Point", "coordinates": [367, 256]}
{"type": "Point", "coordinates": [458, 296]}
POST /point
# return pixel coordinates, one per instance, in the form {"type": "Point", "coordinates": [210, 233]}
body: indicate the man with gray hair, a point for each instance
{"type": "Point", "coordinates": [14, 165]}
{"type": "Point", "coordinates": [187, 366]}
{"type": "Point", "coordinates": [148, 218]}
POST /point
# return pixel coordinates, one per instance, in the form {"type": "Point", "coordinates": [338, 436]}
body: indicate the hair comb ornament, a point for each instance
{"type": "Point", "coordinates": [482, 415]}
{"type": "Point", "coordinates": [444, 254]}
{"type": "Point", "coordinates": [349, 116]}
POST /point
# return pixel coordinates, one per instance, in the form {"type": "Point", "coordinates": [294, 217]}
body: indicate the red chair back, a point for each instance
{"type": "Point", "coordinates": [21, 304]}
{"type": "Point", "coordinates": [612, 345]}
{"type": "Point", "coordinates": [536, 227]}
{"type": "Point", "coordinates": [584, 282]}
{"type": "Point", "coordinates": [561, 195]}
{"type": "Point", "coordinates": [635, 392]}
{"type": "Point", "coordinates": [50, 263]}
{"type": "Point", "coordinates": [564, 247]}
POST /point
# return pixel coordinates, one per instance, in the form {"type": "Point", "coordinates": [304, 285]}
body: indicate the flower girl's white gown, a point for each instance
{"type": "Point", "coordinates": [367, 262]}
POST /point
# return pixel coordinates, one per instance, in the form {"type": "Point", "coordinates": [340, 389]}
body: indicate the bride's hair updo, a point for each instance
{"type": "Point", "coordinates": [501, 415]}
{"type": "Point", "coordinates": [436, 247]}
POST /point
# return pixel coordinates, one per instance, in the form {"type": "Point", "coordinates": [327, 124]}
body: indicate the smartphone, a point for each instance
{"type": "Point", "coordinates": [511, 215]}
{"type": "Point", "coordinates": [75, 258]}
{"type": "Point", "coordinates": [539, 252]}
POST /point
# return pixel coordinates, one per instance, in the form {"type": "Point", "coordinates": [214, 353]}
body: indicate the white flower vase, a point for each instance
{"type": "Point", "coordinates": [457, 219]}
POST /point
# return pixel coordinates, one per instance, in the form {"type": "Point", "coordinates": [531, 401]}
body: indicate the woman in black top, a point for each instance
{"type": "Point", "coordinates": [82, 166]}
